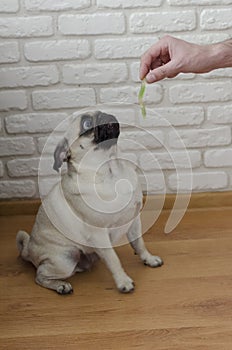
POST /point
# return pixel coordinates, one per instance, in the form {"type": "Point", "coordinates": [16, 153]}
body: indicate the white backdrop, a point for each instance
{"type": "Point", "coordinates": [57, 57]}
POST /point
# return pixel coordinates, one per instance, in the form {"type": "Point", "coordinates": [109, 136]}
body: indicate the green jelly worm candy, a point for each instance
{"type": "Point", "coordinates": [143, 110]}
{"type": "Point", "coordinates": [141, 94]}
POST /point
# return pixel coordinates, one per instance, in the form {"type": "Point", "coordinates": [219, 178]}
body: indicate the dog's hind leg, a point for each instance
{"type": "Point", "coordinates": [51, 274]}
{"type": "Point", "coordinates": [134, 236]}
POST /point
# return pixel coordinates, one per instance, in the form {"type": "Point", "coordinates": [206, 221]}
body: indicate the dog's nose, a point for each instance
{"type": "Point", "coordinates": [104, 118]}
{"type": "Point", "coordinates": [106, 129]}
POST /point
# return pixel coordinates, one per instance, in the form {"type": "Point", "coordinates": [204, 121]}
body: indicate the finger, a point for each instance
{"type": "Point", "coordinates": [144, 69]}
{"type": "Point", "coordinates": [150, 56]}
{"type": "Point", "coordinates": [160, 50]}
{"type": "Point", "coordinates": [166, 71]}
{"type": "Point", "coordinates": [157, 63]}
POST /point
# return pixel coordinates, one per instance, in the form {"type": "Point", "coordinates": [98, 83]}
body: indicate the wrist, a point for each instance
{"type": "Point", "coordinates": [222, 53]}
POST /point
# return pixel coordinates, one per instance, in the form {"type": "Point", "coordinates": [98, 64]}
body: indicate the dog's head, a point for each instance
{"type": "Point", "coordinates": [97, 131]}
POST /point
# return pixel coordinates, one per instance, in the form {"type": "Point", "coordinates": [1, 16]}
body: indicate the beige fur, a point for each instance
{"type": "Point", "coordinates": [97, 201]}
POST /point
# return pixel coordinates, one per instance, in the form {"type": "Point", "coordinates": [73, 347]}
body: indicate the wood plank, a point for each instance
{"type": "Point", "coordinates": [19, 207]}
{"type": "Point", "coordinates": [197, 200]}
{"type": "Point", "coordinates": [185, 304]}
{"type": "Point", "coordinates": [163, 339]}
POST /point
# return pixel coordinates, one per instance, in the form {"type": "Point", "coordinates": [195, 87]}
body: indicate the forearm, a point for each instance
{"type": "Point", "coordinates": [224, 50]}
{"type": "Point", "coordinates": [205, 58]}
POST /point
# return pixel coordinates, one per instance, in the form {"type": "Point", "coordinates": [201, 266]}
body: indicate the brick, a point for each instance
{"type": "Point", "coordinates": [95, 73]}
{"type": "Point", "coordinates": [30, 167]}
{"type": "Point", "coordinates": [45, 167]}
{"type": "Point", "coordinates": [9, 6]}
{"type": "Point", "coordinates": [9, 52]}
{"type": "Point", "coordinates": [63, 98]}
{"type": "Point", "coordinates": [129, 94]}
{"type": "Point", "coordinates": [220, 114]}
{"type": "Point", "coordinates": [28, 76]}
{"type": "Point", "coordinates": [151, 22]}
{"type": "Point", "coordinates": [202, 39]}
{"type": "Point", "coordinates": [153, 183]}
{"type": "Point", "coordinates": [50, 144]}
{"type": "Point", "coordinates": [56, 50]}
{"type": "Point", "coordinates": [58, 5]}
{"type": "Point", "coordinates": [141, 140]}
{"type": "Point", "coordinates": [128, 3]}
{"type": "Point", "coordinates": [23, 167]}
{"type": "Point", "coordinates": [92, 24]}
{"type": "Point", "coordinates": [185, 76]}
{"type": "Point", "coordinates": [124, 114]}
{"type": "Point", "coordinates": [167, 161]}
{"type": "Point", "coordinates": [153, 94]}
{"type": "Point", "coordinates": [33, 122]}
{"type": "Point", "coordinates": [201, 137]}
{"type": "Point", "coordinates": [16, 146]}
{"type": "Point", "coordinates": [1, 169]}
{"type": "Point", "coordinates": [46, 184]}
{"type": "Point", "coordinates": [134, 71]}
{"type": "Point", "coordinates": [201, 181]}
{"type": "Point", "coordinates": [17, 189]}
{"type": "Point", "coordinates": [173, 116]}
{"type": "Point", "coordinates": [199, 2]}
{"type": "Point", "coordinates": [122, 48]}
{"type": "Point", "coordinates": [18, 27]}
{"type": "Point", "coordinates": [201, 92]}
{"type": "Point", "coordinates": [16, 99]}
{"type": "Point", "coordinates": [218, 158]}
{"type": "Point", "coordinates": [218, 73]}
{"type": "Point", "coordinates": [218, 19]}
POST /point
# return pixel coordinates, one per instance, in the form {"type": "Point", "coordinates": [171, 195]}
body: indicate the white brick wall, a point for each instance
{"type": "Point", "coordinates": [63, 98]}
{"type": "Point", "coordinates": [97, 23]}
{"type": "Point", "coordinates": [98, 73]}
{"type": "Point", "coordinates": [33, 123]}
{"type": "Point", "coordinates": [216, 19]}
{"type": "Point", "coordinates": [53, 50]}
{"type": "Point", "coordinates": [128, 3]}
{"type": "Point", "coordinates": [57, 57]}
{"type": "Point", "coordinates": [58, 5]}
{"type": "Point", "coordinates": [16, 146]}
{"type": "Point", "coordinates": [152, 22]}
{"type": "Point", "coordinates": [9, 52]}
{"type": "Point", "coordinates": [15, 99]}
{"type": "Point", "coordinates": [18, 27]}
{"type": "Point", "coordinates": [28, 76]}
{"type": "Point", "coordinates": [9, 6]}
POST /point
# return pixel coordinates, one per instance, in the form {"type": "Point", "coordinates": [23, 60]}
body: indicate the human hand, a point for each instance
{"type": "Point", "coordinates": [171, 56]}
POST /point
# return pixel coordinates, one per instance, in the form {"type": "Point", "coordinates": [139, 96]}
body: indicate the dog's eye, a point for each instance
{"type": "Point", "coordinates": [87, 124]}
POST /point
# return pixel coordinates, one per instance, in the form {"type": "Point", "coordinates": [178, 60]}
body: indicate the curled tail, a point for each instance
{"type": "Point", "coordinates": [22, 240]}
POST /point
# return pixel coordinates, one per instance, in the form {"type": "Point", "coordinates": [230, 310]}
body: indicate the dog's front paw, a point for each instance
{"type": "Point", "coordinates": [153, 261]}
{"type": "Point", "coordinates": [126, 285]}
{"type": "Point", "coordinates": [64, 288]}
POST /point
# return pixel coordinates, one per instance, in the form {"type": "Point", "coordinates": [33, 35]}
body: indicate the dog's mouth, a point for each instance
{"type": "Point", "coordinates": [105, 129]}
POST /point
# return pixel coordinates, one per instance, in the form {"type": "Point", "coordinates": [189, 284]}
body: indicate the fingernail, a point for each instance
{"type": "Point", "coordinates": [150, 78]}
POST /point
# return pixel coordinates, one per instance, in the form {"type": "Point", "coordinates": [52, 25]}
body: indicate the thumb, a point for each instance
{"type": "Point", "coordinates": [165, 71]}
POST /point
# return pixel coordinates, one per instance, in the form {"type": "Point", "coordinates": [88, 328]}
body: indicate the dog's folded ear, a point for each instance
{"type": "Point", "coordinates": [61, 154]}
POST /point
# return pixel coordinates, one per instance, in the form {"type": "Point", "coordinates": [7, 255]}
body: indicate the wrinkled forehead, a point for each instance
{"type": "Point", "coordinates": [75, 124]}
{"type": "Point", "coordinates": [97, 118]}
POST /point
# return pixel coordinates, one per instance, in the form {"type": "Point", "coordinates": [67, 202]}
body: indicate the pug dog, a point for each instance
{"type": "Point", "coordinates": [96, 202]}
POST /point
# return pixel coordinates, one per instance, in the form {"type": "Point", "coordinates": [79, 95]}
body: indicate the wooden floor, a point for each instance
{"type": "Point", "coordinates": [184, 305]}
